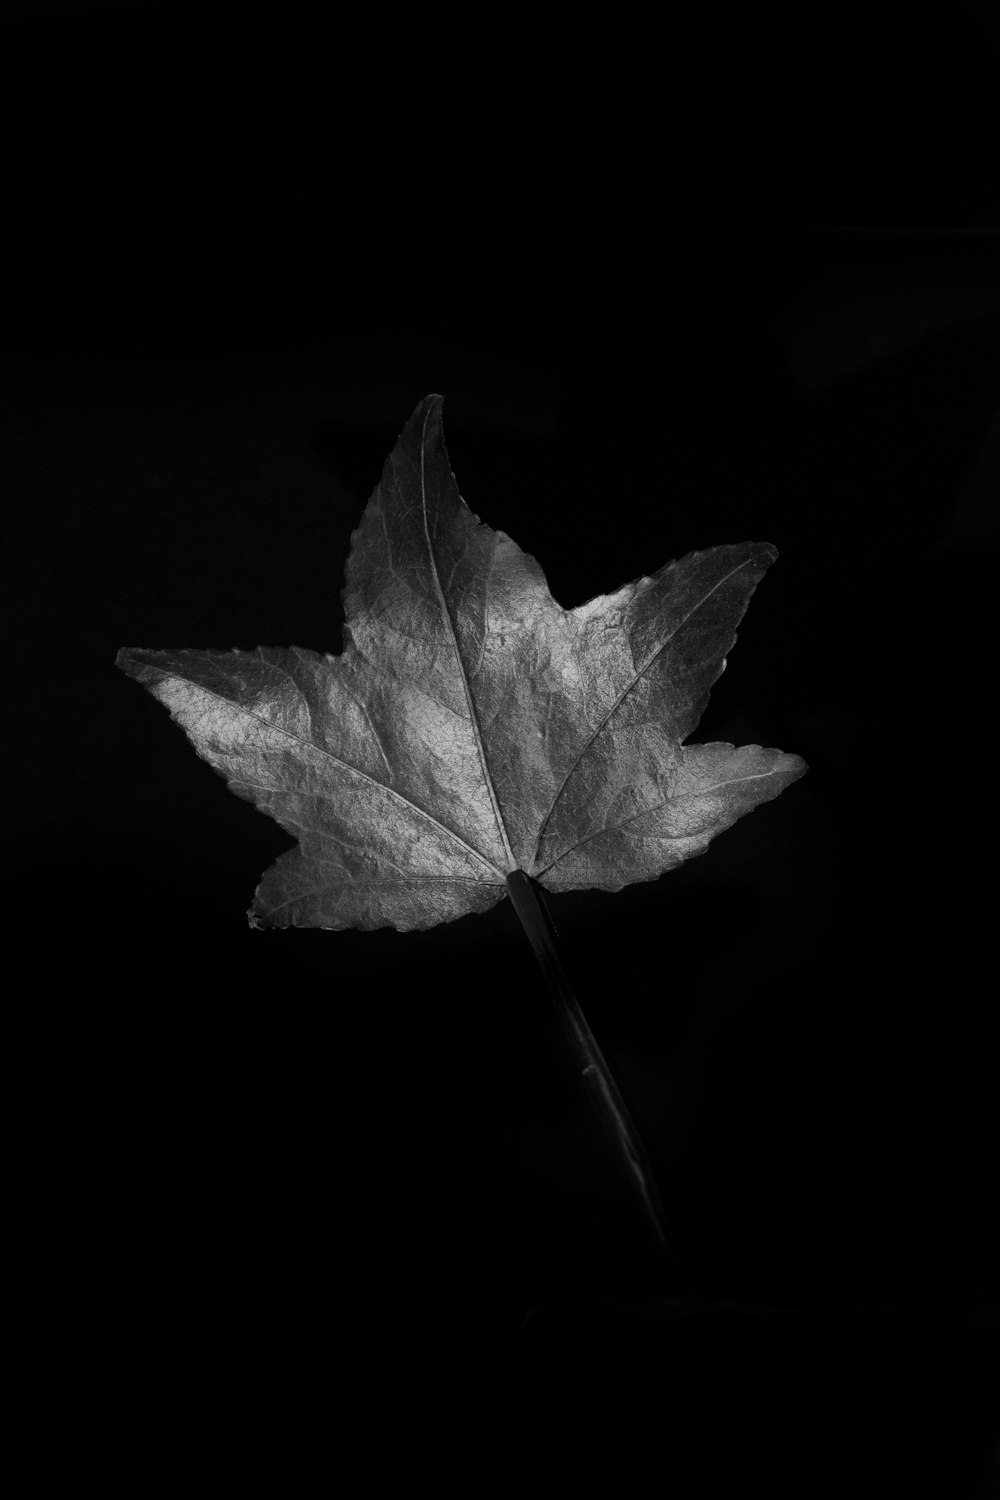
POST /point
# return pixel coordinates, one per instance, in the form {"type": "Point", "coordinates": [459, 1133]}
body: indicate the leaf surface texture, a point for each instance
{"type": "Point", "coordinates": [472, 726]}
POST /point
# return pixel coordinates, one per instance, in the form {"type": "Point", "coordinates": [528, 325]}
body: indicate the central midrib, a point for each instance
{"type": "Point", "coordinates": [473, 716]}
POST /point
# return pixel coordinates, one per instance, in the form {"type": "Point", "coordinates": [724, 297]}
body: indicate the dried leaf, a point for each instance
{"type": "Point", "coordinates": [472, 726]}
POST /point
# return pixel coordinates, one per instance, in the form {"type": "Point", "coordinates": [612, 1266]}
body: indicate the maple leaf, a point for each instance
{"type": "Point", "coordinates": [471, 726]}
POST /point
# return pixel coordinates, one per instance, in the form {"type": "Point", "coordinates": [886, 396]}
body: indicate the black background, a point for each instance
{"type": "Point", "coordinates": [291, 1195]}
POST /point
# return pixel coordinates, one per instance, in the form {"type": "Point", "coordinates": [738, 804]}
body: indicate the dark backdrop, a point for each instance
{"type": "Point", "coordinates": [293, 1194]}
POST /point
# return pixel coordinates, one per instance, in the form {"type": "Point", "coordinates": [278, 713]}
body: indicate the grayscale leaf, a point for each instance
{"type": "Point", "coordinates": [471, 726]}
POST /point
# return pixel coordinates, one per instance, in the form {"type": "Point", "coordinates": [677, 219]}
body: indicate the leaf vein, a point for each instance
{"type": "Point", "coordinates": [624, 694]}
{"type": "Point", "coordinates": [344, 765]}
{"type": "Point", "coordinates": [473, 717]}
{"type": "Point", "coordinates": [644, 812]}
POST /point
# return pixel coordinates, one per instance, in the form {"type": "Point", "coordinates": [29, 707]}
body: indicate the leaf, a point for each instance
{"type": "Point", "coordinates": [472, 726]}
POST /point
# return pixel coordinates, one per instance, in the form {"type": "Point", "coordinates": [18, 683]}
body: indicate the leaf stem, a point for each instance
{"type": "Point", "coordinates": [603, 1091]}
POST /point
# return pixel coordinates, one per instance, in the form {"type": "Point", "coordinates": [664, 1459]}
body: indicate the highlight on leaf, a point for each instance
{"type": "Point", "coordinates": [471, 726]}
